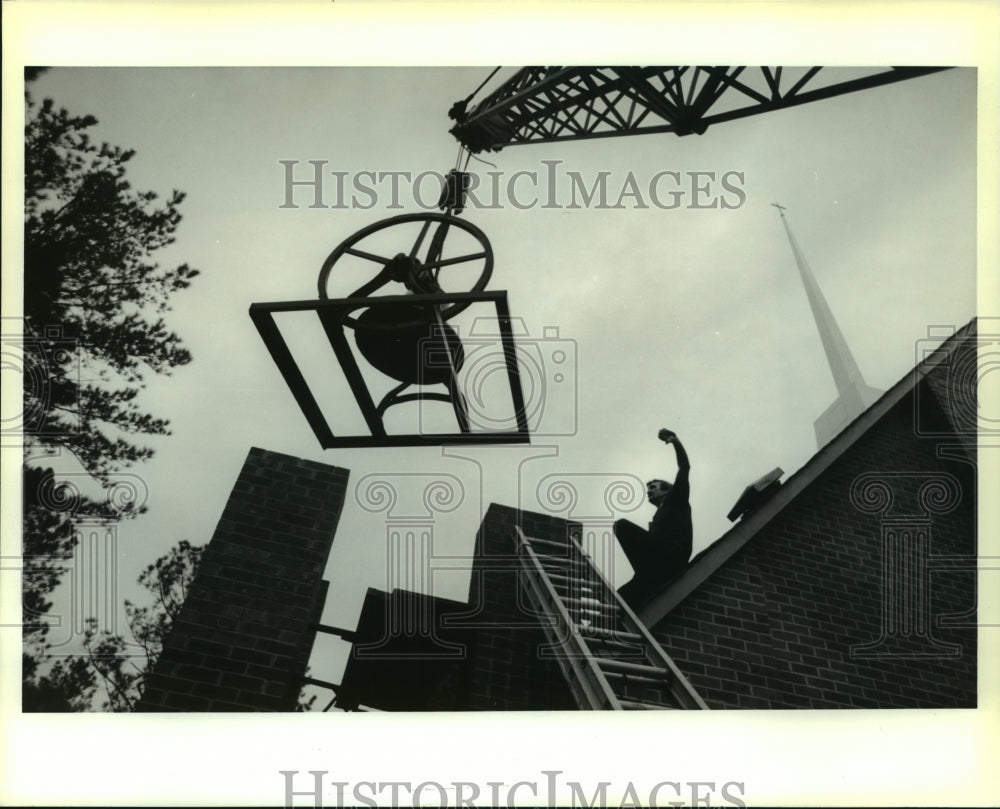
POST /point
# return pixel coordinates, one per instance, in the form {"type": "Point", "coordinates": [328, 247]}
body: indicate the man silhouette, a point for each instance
{"type": "Point", "coordinates": [661, 553]}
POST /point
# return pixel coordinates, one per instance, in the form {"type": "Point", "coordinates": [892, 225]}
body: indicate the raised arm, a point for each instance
{"type": "Point", "coordinates": [683, 464]}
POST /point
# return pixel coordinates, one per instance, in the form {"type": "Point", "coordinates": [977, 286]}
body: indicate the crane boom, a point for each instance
{"type": "Point", "coordinates": [545, 104]}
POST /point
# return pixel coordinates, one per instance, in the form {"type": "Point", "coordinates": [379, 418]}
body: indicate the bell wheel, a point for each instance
{"type": "Point", "coordinates": [419, 253]}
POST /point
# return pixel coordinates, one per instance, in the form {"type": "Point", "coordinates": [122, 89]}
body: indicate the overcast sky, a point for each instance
{"type": "Point", "coordinates": [682, 317]}
{"type": "Point", "coordinates": [691, 319]}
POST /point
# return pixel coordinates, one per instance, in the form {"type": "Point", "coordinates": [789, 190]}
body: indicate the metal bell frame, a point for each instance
{"type": "Point", "coordinates": [427, 306]}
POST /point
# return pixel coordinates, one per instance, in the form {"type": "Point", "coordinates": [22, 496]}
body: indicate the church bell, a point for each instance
{"type": "Point", "coordinates": [408, 343]}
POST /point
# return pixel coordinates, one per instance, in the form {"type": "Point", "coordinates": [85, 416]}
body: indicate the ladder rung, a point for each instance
{"type": "Point", "coordinates": [565, 592]}
{"type": "Point", "coordinates": [560, 561]}
{"type": "Point", "coordinates": [614, 634]}
{"type": "Point", "coordinates": [574, 580]}
{"type": "Point", "coordinates": [590, 624]}
{"type": "Point", "coordinates": [591, 613]}
{"type": "Point", "coordinates": [550, 542]}
{"type": "Point", "coordinates": [634, 679]}
{"type": "Point", "coordinates": [586, 601]}
{"type": "Point", "coordinates": [644, 670]}
{"type": "Point", "coordinates": [623, 645]}
{"type": "Point", "coordinates": [590, 604]}
{"type": "Point", "coordinates": [632, 705]}
{"type": "Point", "coordinates": [579, 592]}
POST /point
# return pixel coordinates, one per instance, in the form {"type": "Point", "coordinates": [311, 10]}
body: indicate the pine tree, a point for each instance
{"type": "Point", "coordinates": [94, 306]}
{"type": "Point", "coordinates": [93, 298]}
{"type": "Point", "coordinates": [122, 672]}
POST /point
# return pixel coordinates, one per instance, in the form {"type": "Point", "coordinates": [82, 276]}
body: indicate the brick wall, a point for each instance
{"type": "Point", "coordinates": [507, 667]}
{"type": "Point", "coordinates": [797, 618]}
{"type": "Point", "coordinates": [242, 639]}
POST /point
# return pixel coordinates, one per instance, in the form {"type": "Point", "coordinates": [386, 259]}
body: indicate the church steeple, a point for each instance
{"type": "Point", "coordinates": [854, 396]}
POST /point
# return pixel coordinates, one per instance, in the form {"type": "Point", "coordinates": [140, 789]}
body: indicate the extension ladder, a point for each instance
{"type": "Point", "coordinates": [607, 655]}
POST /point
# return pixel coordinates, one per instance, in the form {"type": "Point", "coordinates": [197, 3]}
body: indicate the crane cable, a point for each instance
{"type": "Point", "coordinates": [462, 147]}
{"type": "Point", "coordinates": [468, 98]}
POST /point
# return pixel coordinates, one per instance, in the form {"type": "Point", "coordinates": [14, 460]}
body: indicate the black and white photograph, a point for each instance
{"type": "Point", "coordinates": [443, 397]}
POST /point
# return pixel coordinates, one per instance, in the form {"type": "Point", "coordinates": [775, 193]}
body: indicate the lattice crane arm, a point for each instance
{"type": "Point", "coordinates": [546, 104]}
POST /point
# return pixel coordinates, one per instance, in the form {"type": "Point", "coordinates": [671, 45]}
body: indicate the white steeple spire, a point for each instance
{"type": "Point", "coordinates": [854, 396]}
